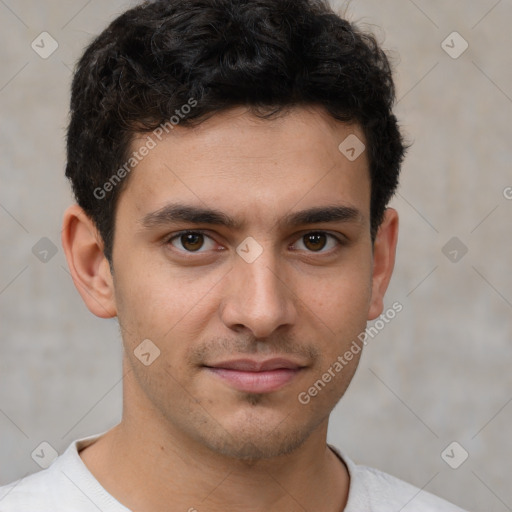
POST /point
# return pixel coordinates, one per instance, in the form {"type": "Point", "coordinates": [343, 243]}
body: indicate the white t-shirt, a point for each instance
{"type": "Point", "coordinates": [67, 485]}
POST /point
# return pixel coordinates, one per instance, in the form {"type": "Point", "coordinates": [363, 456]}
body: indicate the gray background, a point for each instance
{"type": "Point", "coordinates": [439, 372]}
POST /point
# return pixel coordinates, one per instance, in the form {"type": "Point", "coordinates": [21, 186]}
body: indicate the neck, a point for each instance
{"type": "Point", "coordinates": [148, 465]}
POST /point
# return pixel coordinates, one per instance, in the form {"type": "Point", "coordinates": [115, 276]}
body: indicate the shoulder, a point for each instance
{"type": "Point", "coordinates": [373, 490]}
{"type": "Point", "coordinates": [36, 492]}
{"type": "Point", "coordinates": [63, 486]}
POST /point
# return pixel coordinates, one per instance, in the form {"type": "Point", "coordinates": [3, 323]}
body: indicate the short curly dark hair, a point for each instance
{"type": "Point", "coordinates": [266, 55]}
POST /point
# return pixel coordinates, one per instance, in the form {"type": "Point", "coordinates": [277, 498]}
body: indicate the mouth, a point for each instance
{"type": "Point", "coordinates": [252, 376]}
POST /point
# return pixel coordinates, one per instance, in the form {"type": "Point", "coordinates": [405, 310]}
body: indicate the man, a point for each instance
{"type": "Point", "coordinates": [232, 162]}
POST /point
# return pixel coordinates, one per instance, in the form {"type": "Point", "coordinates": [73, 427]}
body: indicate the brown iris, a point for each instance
{"type": "Point", "coordinates": [315, 241]}
{"type": "Point", "coordinates": [192, 241]}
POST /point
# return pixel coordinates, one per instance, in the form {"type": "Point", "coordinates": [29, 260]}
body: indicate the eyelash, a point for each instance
{"type": "Point", "coordinates": [340, 241]}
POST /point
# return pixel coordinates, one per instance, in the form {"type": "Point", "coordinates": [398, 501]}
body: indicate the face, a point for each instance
{"type": "Point", "coordinates": [272, 281]}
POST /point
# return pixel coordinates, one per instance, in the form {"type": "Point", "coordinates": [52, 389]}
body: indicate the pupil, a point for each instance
{"type": "Point", "coordinates": [192, 241]}
{"type": "Point", "coordinates": [316, 239]}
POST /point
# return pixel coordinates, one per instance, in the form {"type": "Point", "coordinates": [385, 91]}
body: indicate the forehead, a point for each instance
{"type": "Point", "coordinates": [249, 167]}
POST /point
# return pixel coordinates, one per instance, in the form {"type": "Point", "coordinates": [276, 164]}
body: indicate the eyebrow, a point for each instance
{"type": "Point", "coordinates": [176, 212]}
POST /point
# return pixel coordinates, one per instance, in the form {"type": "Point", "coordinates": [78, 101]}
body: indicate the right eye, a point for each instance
{"type": "Point", "coordinates": [190, 241]}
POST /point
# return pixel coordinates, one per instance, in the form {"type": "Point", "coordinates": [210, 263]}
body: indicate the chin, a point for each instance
{"type": "Point", "coordinates": [257, 446]}
{"type": "Point", "coordinates": [259, 437]}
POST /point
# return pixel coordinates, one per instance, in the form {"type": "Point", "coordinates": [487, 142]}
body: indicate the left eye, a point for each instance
{"type": "Point", "coordinates": [315, 241]}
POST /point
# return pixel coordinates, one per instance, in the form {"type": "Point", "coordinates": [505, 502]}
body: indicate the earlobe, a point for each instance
{"type": "Point", "coordinates": [383, 261]}
{"type": "Point", "coordinates": [88, 266]}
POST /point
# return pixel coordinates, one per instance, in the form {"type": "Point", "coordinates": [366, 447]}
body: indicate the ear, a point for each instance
{"type": "Point", "coordinates": [384, 250]}
{"type": "Point", "coordinates": [89, 268]}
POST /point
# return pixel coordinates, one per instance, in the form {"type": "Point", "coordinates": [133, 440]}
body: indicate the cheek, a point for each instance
{"type": "Point", "coordinates": [339, 313]}
{"type": "Point", "coordinates": [158, 304]}
{"type": "Point", "coordinates": [340, 300]}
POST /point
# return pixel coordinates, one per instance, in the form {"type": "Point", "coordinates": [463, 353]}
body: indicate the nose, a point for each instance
{"type": "Point", "coordinates": [258, 297]}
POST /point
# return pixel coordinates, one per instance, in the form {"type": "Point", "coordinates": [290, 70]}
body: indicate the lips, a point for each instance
{"type": "Point", "coordinates": [256, 376]}
{"type": "Point", "coordinates": [251, 365]}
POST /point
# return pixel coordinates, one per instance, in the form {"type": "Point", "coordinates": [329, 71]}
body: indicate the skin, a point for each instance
{"type": "Point", "coordinates": [200, 443]}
